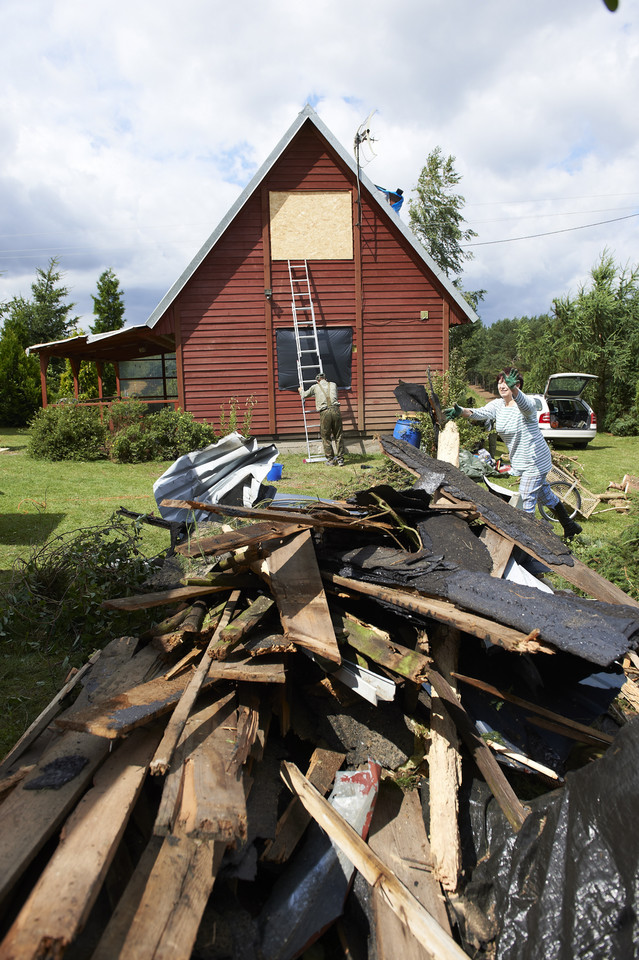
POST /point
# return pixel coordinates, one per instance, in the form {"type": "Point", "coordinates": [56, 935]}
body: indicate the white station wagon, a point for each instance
{"type": "Point", "coordinates": [563, 416]}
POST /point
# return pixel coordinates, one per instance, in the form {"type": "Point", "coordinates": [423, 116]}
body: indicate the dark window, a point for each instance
{"type": "Point", "coordinates": [149, 376]}
{"type": "Point", "coordinates": [336, 349]}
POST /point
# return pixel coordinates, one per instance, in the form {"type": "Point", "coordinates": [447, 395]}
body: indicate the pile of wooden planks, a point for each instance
{"type": "Point", "coordinates": [133, 816]}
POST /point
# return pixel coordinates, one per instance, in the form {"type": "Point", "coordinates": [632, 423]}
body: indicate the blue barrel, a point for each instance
{"type": "Point", "coordinates": [275, 473]}
{"type": "Point", "coordinates": [407, 430]}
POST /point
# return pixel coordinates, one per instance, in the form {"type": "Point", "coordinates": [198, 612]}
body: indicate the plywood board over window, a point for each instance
{"type": "Point", "coordinates": [311, 225]}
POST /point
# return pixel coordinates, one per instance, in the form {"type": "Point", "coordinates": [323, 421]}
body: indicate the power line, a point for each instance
{"type": "Point", "coordinates": [533, 236]}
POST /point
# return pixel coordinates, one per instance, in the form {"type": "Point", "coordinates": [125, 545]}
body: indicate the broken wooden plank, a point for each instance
{"type": "Point", "coordinates": [11, 780]}
{"type": "Point", "coordinates": [31, 816]}
{"type": "Point", "coordinates": [197, 728]}
{"type": "Point", "coordinates": [445, 612]}
{"type": "Point", "coordinates": [119, 715]}
{"type": "Point", "coordinates": [500, 549]}
{"type": "Point", "coordinates": [322, 768]}
{"type": "Point", "coordinates": [44, 719]}
{"type": "Point", "coordinates": [162, 758]}
{"type": "Point", "coordinates": [295, 581]}
{"type": "Point", "coordinates": [373, 869]}
{"type": "Point", "coordinates": [376, 645]}
{"type": "Point", "coordinates": [398, 838]}
{"type": "Point", "coordinates": [247, 536]}
{"type": "Point", "coordinates": [170, 910]}
{"type": "Point", "coordinates": [444, 765]}
{"type": "Point", "coordinates": [512, 807]}
{"type": "Point", "coordinates": [60, 903]}
{"type": "Point", "coordinates": [144, 601]}
{"type": "Point", "coordinates": [234, 632]}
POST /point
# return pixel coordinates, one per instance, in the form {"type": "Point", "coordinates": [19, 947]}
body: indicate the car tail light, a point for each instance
{"type": "Point", "coordinates": [544, 418]}
{"type": "Point", "coordinates": [593, 419]}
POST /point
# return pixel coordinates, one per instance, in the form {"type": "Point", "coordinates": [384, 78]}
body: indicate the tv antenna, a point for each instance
{"type": "Point", "coordinates": [364, 141]}
{"type": "Point", "coordinates": [363, 144]}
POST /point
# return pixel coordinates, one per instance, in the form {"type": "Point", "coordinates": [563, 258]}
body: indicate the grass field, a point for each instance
{"type": "Point", "coordinates": [42, 500]}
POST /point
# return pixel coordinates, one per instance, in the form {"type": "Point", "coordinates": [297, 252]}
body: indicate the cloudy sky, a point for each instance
{"type": "Point", "coordinates": [128, 128]}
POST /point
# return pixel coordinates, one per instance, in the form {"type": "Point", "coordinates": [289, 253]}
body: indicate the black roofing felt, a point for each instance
{"type": "Point", "coordinates": [534, 535]}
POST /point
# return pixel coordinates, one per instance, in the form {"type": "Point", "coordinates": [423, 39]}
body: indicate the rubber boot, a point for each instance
{"type": "Point", "coordinates": [571, 527]}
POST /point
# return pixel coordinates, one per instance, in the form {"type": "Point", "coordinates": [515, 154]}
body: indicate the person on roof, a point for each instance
{"type": "Point", "coordinates": [515, 418]}
{"type": "Point", "coordinates": [325, 393]}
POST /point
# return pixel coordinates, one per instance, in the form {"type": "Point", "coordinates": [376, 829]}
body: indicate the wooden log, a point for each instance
{"type": "Point", "coordinates": [60, 903]}
{"type": "Point", "coordinates": [233, 633]}
{"type": "Point", "coordinates": [162, 758]}
{"type": "Point", "coordinates": [445, 612]}
{"type": "Point", "coordinates": [376, 645]}
{"type": "Point", "coordinates": [294, 578]}
{"type": "Point", "coordinates": [398, 837]}
{"type": "Point", "coordinates": [378, 874]}
{"type": "Point", "coordinates": [322, 768]}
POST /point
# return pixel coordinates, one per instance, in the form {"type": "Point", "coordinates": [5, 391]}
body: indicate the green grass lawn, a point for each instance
{"type": "Point", "coordinates": [41, 500]}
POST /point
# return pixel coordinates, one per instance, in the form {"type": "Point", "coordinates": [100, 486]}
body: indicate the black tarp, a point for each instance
{"type": "Point", "coordinates": [565, 887]}
{"type": "Point", "coordinates": [336, 348]}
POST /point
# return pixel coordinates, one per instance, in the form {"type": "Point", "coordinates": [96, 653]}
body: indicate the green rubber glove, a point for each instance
{"type": "Point", "coordinates": [511, 380]}
{"type": "Point", "coordinates": [451, 413]}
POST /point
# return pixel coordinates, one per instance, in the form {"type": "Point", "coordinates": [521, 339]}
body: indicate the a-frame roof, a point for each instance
{"type": "Point", "coordinates": [309, 115]}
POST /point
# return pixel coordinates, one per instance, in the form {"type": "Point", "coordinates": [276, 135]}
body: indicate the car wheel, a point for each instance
{"type": "Point", "coordinates": [582, 445]}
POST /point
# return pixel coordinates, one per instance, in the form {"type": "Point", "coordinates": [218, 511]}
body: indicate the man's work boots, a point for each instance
{"type": "Point", "coordinates": [571, 527]}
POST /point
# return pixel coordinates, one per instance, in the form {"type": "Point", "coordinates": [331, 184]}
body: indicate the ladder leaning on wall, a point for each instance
{"type": "Point", "coordinates": [309, 361]}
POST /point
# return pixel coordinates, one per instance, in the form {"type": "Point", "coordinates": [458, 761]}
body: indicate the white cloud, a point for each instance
{"type": "Point", "coordinates": [128, 129]}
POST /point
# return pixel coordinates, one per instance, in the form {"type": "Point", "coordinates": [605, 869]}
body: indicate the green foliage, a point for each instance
{"type": "Point", "coordinates": [87, 382]}
{"type": "Point", "coordinates": [451, 387]}
{"type": "Point", "coordinates": [55, 595]}
{"type": "Point", "coordinates": [435, 215]}
{"type": "Point", "coordinates": [67, 431]}
{"type": "Point", "coordinates": [108, 306]}
{"type": "Point", "coordinates": [166, 435]}
{"type": "Point", "coordinates": [46, 316]}
{"type": "Point", "coordinates": [617, 560]}
{"type": "Point", "coordinates": [230, 424]}
{"type": "Point", "coordinates": [123, 413]}
{"type": "Point", "coordinates": [20, 394]}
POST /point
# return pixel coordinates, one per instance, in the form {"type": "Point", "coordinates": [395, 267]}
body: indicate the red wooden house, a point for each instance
{"type": "Point", "coordinates": [224, 330]}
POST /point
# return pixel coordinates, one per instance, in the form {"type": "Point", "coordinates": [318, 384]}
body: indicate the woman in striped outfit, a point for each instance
{"type": "Point", "coordinates": [515, 418]}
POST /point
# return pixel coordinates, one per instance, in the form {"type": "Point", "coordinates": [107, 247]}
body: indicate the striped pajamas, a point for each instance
{"type": "Point", "coordinates": [530, 458]}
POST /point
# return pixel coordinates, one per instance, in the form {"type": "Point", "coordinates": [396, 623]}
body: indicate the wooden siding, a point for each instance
{"type": "Point", "coordinates": [222, 312]}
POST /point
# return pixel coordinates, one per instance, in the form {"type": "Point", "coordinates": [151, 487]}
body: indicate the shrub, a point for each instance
{"type": "Point", "coordinates": [122, 413]}
{"type": "Point", "coordinates": [55, 595]}
{"type": "Point", "coordinates": [451, 388]}
{"type": "Point", "coordinates": [166, 435]}
{"type": "Point", "coordinates": [67, 431]}
{"type": "Point", "coordinates": [627, 426]}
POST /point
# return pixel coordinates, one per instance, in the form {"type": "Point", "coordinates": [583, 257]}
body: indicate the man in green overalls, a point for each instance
{"type": "Point", "coordinates": [325, 393]}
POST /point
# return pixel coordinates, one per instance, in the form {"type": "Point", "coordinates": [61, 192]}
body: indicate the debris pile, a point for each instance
{"type": "Point", "coordinates": [397, 653]}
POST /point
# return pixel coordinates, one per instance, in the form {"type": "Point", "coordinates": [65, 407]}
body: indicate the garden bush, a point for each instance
{"type": "Point", "coordinates": [166, 435]}
{"type": "Point", "coordinates": [67, 431]}
{"type": "Point", "coordinates": [122, 413]}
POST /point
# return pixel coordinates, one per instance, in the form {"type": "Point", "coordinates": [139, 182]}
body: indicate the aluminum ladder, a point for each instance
{"type": "Point", "coordinates": [309, 361]}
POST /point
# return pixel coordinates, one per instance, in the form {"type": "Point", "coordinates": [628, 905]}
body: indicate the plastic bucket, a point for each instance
{"type": "Point", "coordinates": [275, 473]}
{"type": "Point", "coordinates": [407, 430]}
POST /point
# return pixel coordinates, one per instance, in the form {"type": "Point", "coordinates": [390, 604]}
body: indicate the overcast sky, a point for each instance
{"type": "Point", "coordinates": [128, 128]}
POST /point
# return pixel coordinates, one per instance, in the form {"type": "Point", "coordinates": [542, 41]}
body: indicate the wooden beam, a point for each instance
{"type": "Point", "coordinates": [445, 612]}
{"type": "Point", "coordinates": [162, 598]}
{"type": "Point", "coordinates": [237, 539]}
{"type": "Point", "coordinates": [175, 726]}
{"type": "Point", "coordinates": [379, 875]}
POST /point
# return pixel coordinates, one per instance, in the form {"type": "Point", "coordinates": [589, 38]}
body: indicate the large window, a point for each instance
{"type": "Point", "coordinates": [336, 349]}
{"type": "Point", "coordinates": [153, 377]}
